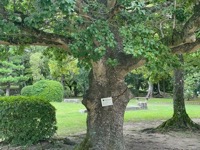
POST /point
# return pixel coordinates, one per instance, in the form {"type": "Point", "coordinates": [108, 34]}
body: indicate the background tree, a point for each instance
{"type": "Point", "coordinates": [180, 119]}
{"type": "Point", "coordinates": [67, 72]}
{"type": "Point", "coordinates": [154, 80]}
{"type": "Point", "coordinates": [39, 66]}
{"type": "Point", "coordinates": [112, 36]}
{"type": "Point", "coordinates": [136, 83]}
{"type": "Point", "coordinates": [11, 71]}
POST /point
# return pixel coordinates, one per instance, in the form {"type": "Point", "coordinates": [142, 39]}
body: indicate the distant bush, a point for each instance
{"type": "Point", "coordinates": [47, 89]}
{"type": "Point", "coordinates": [2, 92]}
{"type": "Point", "coordinates": [27, 90]}
{"type": "Point", "coordinates": [26, 120]}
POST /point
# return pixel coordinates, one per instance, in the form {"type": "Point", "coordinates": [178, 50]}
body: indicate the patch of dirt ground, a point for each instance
{"type": "Point", "coordinates": [134, 138]}
{"type": "Point", "coordinates": [137, 140]}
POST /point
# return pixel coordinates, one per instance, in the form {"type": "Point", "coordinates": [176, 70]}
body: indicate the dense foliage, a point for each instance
{"type": "Point", "coordinates": [26, 120]}
{"type": "Point", "coordinates": [73, 76]}
{"type": "Point", "coordinates": [192, 75]}
{"type": "Point", "coordinates": [47, 89]}
{"type": "Point", "coordinates": [9, 71]}
{"type": "Point", "coordinates": [1, 92]}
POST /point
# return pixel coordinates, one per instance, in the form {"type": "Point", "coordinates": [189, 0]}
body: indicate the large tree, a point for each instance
{"type": "Point", "coordinates": [112, 36]}
{"type": "Point", "coordinates": [69, 74]}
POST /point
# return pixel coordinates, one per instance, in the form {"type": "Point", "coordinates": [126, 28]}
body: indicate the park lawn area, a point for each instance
{"type": "Point", "coordinates": [71, 121]}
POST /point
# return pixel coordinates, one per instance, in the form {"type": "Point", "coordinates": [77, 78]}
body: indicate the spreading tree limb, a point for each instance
{"type": "Point", "coordinates": [187, 47]}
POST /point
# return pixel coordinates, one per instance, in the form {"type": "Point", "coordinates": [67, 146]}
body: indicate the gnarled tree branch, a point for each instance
{"type": "Point", "coordinates": [187, 35]}
{"type": "Point", "coordinates": [127, 62]}
{"type": "Point", "coordinates": [30, 35]}
{"type": "Point", "coordinates": [35, 38]}
{"type": "Point", "coordinates": [187, 47]}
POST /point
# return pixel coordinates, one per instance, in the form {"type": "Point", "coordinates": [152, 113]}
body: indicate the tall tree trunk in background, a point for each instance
{"type": "Point", "coordinates": [63, 84]}
{"type": "Point", "coordinates": [164, 89]}
{"type": "Point", "coordinates": [8, 89]}
{"type": "Point", "coordinates": [137, 85]}
{"type": "Point", "coordinates": [159, 91]}
{"type": "Point", "coordinates": [180, 119]}
{"type": "Point", "coordinates": [150, 90]}
{"type": "Point", "coordinates": [75, 89]}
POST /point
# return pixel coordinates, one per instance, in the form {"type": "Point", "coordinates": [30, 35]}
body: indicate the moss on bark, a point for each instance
{"type": "Point", "coordinates": [178, 123]}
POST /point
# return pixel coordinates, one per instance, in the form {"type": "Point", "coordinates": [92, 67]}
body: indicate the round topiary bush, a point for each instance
{"type": "Point", "coordinates": [47, 89]}
{"type": "Point", "coordinates": [27, 90]}
{"type": "Point", "coordinates": [26, 120]}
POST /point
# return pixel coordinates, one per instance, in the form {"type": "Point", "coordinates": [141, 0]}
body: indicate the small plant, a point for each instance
{"type": "Point", "coordinates": [26, 120]}
{"type": "Point", "coordinates": [47, 89]}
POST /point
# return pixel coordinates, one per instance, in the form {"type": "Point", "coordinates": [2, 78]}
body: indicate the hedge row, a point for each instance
{"type": "Point", "coordinates": [26, 120]}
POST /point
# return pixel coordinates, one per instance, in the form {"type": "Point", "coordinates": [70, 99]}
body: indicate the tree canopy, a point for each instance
{"type": "Point", "coordinates": [86, 28]}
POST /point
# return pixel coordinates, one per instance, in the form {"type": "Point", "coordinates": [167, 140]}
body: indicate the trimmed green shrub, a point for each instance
{"type": "Point", "coordinates": [47, 89]}
{"type": "Point", "coordinates": [26, 120]}
{"type": "Point", "coordinates": [27, 90]}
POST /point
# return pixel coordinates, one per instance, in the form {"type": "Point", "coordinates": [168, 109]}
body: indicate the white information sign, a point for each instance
{"type": "Point", "coordinates": [106, 101]}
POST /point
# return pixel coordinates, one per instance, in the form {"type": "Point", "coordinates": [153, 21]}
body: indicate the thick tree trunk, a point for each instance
{"type": "Point", "coordinates": [105, 124]}
{"type": "Point", "coordinates": [180, 119]}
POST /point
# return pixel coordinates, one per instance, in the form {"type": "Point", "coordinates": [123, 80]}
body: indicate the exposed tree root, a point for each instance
{"type": "Point", "coordinates": [84, 145]}
{"type": "Point", "coordinates": [178, 123]}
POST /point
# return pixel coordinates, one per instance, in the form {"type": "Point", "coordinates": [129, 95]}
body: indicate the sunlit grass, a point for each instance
{"type": "Point", "coordinates": [71, 121]}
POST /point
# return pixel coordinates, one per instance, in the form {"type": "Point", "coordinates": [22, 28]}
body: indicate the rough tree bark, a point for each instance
{"type": "Point", "coordinates": [105, 124]}
{"type": "Point", "coordinates": [180, 119]}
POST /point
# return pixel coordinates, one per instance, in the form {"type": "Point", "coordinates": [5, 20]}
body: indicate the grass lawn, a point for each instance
{"type": "Point", "coordinates": [71, 121]}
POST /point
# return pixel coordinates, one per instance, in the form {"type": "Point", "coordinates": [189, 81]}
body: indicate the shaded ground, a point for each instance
{"type": "Point", "coordinates": [137, 140]}
{"type": "Point", "coordinates": [134, 138]}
